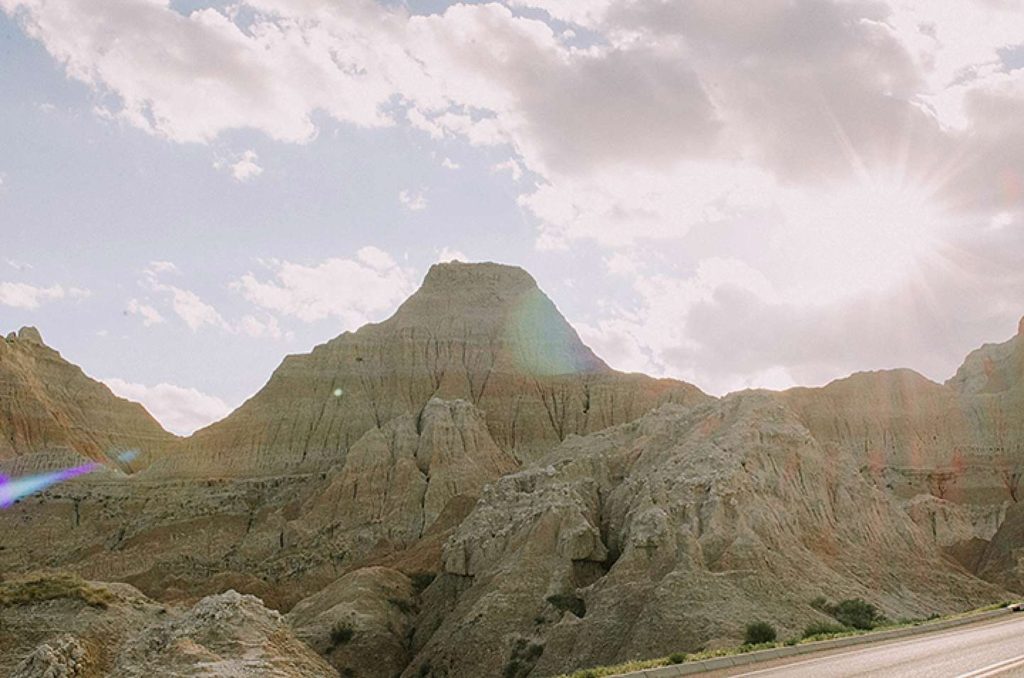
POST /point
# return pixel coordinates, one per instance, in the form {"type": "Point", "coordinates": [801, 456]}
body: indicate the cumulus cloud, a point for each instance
{"type": "Point", "coordinates": [449, 254]}
{"type": "Point", "coordinates": [158, 267]}
{"type": "Point", "coordinates": [18, 265]}
{"type": "Point", "coordinates": [192, 309]}
{"type": "Point", "coordinates": [150, 316]}
{"type": "Point", "coordinates": [414, 201]}
{"type": "Point", "coordinates": [727, 327]}
{"type": "Point", "coordinates": [510, 166]}
{"type": "Point", "coordinates": [25, 296]}
{"type": "Point", "coordinates": [179, 409]}
{"type": "Point", "coordinates": [356, 290]}
{"type": "Point", "coordinates": [266, 326]}
{"type": "Point", "coordinates": [834, 152]}
{"type": "Point", "coordinates": [243, 168]}
{"type": "Point", "coordinates": [186, 304]}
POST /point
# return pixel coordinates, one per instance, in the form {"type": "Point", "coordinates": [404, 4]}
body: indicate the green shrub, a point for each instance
{"type": "Point", "coordinates": [823, 629]}
{"type": "Point", "coordinates": [857, 613]}
{"type": "Point", "coordinates": [676, 658]}
{"type": "Point", "coordinates": [820, 603]}
{"type": "Point", "coordinates": [402, 604]}
{"type": "Point", "coordinates": [759, 632]}
{"type": "Point", "coordinates": [341, 633]}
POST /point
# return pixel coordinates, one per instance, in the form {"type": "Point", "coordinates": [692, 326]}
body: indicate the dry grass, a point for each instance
{"type": "Point", "coordinates": [679, 658]}
{"type": "Point", "coordinates": [39, 588]}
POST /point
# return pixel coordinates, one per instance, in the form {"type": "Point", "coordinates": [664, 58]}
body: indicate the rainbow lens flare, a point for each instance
{"type": "Point", "coordinates": [11, 490]}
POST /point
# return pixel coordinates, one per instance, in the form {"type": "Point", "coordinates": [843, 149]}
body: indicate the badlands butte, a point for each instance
{"type": "Point", "coordinates": [466, 489]}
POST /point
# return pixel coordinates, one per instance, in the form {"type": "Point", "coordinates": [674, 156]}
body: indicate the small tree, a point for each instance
{"type": "Point", "coordinates": [759, 632]}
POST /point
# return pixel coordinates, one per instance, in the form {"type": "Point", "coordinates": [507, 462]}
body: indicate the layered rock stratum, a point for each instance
{"type": "Point", "coordinates": [50, 410]}
{"type": "Point", "coordinates": [465, 489]}
{"type": "Point", "coordinates": [482, 333]}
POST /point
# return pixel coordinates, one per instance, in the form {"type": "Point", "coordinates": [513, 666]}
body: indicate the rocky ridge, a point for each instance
{"type": "Point", "coordinates": [465, 489]}
{"type": "Point", "coordinates": [52, 412]}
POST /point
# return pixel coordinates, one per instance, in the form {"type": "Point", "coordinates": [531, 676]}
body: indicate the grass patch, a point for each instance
{"type": "Point", "coordinates": [53, 587]}
{"type": "Point", "coordinates": [823, 631]}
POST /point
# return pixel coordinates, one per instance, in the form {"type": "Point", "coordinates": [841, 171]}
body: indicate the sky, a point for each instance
{"type": "Point", "coordinates": [736, 194]}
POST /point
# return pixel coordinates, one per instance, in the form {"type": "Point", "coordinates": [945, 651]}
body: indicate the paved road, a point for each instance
{"type": "Point", "coordinates": [977, 651]}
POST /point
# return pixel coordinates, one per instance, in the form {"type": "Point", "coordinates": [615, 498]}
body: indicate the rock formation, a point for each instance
{"type": "Point", "coordinates": [483, 333]}
{"type": "Point", "coordinates": [56, 626]}
{"type": "Point", "coordinates": [466, 489]}
{"type": "Point", "coordinates": [51, 411]}
{"type": "Point", "coordinates": [672, 532]}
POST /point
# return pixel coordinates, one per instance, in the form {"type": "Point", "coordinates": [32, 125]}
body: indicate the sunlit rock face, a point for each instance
{"type": "Point", "coordinates": [53, 415]}
{"type": "Point", "coordinates": [672, 532]}
{"type": "Point", "coordinates": [467, 487]}
{"type": "Point", "coordinates": [84, 629]}
{"type": "Point", "coordinates": [483, 333]}
{"type": "Point", "coordinates": [962, 441]}
{"type": "Point", "coordinates": [953, 452]}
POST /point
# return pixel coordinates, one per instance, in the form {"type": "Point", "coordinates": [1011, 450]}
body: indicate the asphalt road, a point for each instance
{"type": "Point", "coordinates": [977, 651]}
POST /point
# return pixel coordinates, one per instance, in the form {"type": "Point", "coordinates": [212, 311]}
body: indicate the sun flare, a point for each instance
{"type": "Point", "coordinates": [863, 237]}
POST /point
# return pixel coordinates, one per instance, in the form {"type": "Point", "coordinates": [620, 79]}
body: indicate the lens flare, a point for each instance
{"type": "Point", "coordinates": [127, 456]}
{"type": "Point", "coordinates": [11, 490]}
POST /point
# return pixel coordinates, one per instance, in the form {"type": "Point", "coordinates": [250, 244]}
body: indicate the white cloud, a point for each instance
{"type": "Point", "coordinates": [186, 304]}
{"type": "Point", "coordinates": [511, 166]}
{"type": "Point", "coordinates": [157, 267]}
{"type": "Point", "coordinates": [448, 163]}
{"type": "Point", "coordinates": [23, 295]}
{"type": "Point", "coordinates": [180, 410]}
{"type": "Point", "coordinates": [449, 254]}
{"type": "Point", "coordinates": [264, 327]}
{"type": "Point", "coordinates": [414, 201]}
{"type": "Point", "coordinates": [840, 149]}
{"type": "Point", "coordinates": [192, 309]}
{"type": "Point", "coordinates": [18, 265]}
{"type": "Point", "coordinates": [356, 290]}
{"type": "Point", "coordinates": [243, 168]}
{"type": "Point", "coordinates": [150, 316]}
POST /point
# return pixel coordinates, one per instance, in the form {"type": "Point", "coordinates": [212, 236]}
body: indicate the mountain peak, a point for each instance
{"type": "Point", "coordinates": [28, 335]}
{"type": "Point", "coordinates": [457, 275]}
{"type": "Point", "coordinates": [498, 309]}
{"type": "Point", "coordinates": [484, 333]}
{"type": "Point", "coordinates": [993, 368]}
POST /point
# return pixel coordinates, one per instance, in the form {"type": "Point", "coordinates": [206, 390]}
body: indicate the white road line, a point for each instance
{"type": "Point", "coordinates": [993, 669]}
{"type": "Point", "coordinates": [872, 647]}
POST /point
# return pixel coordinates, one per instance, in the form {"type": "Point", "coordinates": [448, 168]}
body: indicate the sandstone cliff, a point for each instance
{"type": "Point", "coordinates": [668, 534]}
{"type": "Point", "coordinates": [51, 411]}
{"type": "Point", "coordinates": [561, 505]}
{"type": "Point", "coordinates": [483, 333]}
{"type": "Point", "coordinates": [56, 626]}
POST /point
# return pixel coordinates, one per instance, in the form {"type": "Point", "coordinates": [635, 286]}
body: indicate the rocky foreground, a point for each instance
{"type": "Point", "coordinates": [466, 489]}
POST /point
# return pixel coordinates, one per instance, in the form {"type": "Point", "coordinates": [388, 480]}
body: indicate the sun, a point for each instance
{"type": "Point", "coordinates": [865, 236]}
